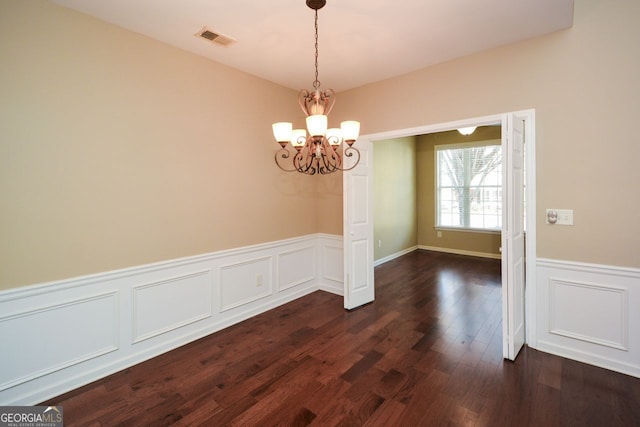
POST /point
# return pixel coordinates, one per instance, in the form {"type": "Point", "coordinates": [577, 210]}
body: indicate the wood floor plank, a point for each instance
{"type": "Point", "coordinates": [426, 402]}
{"type": "Point", "coordinates": [546, 406]}
{"type": "Point", "coordinates": [427, 352]}
{"type": "Point", "coordinates": [388, 414]}
{"type": "Point", "coordinates": [323, 398]}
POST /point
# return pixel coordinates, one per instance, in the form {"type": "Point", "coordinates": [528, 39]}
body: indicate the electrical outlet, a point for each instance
{"type": "Point", "coordinates": [439, 233]}
{"type": "Point", "coordinates": [379, 243]}
{"type": "Point", "coordinates": [258, 279]}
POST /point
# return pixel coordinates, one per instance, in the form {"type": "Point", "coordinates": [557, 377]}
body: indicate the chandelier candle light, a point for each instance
{"type": "Point", "coordinates": [319, 151]}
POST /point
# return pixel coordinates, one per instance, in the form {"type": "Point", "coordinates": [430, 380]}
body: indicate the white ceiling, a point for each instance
{"type": "Point", "coordinates": [359, 41]}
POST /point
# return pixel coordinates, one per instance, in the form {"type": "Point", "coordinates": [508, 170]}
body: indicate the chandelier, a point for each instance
{"type": "Point", "coordinates": [319, 152]}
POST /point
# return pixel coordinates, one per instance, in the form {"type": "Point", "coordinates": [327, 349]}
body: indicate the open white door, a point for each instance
{"type": "Point", "coordinates": [358, 229]}
{"type": "Point", "coordinates": [513, 256]}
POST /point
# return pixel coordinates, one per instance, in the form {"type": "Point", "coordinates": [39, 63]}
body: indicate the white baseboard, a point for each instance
{"type": "Point", "coordinates": [611, 364]}
{"type": "Point", "coordinates": [394, 256]}
{"type": "Point", "coordinates": [461, 252]}
{"type": "Point", "coordinates": [589, 312]}
{"type": "Point", "coordinates": [61, 335]}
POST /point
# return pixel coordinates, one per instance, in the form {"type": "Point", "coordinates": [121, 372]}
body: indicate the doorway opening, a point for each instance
{"type": "Point", "coordinates": [441, 192]}
{"type": "Point", "coordinates": [518, 300]}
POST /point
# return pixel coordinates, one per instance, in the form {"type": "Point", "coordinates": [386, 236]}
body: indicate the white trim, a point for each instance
{"type": "Point", "coordinates": [433, 128]}
{"type": "Point", "coordinates": [90, 279]}
{"type": "Point", "coordinates": [609, 270]}
{"type": "Point", "coordinates": [436, 249]}
{"type": "Point", "coordinates": [394, 256]}
{"type": "Point", "coordinates": [437, 187]}
{"type": "Point", "coordinates": [589, 358]}
{"type": "Point", "coordinates": [460, 252]}
{"type": "Point", "coordinates": [468, 229]}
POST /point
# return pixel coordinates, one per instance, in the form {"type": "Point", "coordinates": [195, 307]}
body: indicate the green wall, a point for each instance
{"type": "Point", "coordinates": [395, 215]}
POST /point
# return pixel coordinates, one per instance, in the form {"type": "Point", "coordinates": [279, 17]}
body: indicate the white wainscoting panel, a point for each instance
{"type": "Point", "coordinates": [296, 267]}
{"type": "Point", "coordinates": [606, 324]}
{"type": "Point", "coordinates": [590, 313]}
{"type": "Point", "coordinates": [61, 335]}
{"type": "Point", "coordinates": [162, 306]}
{"type": "Point", "coordinates": [332, 268]}
{"type": "Point", "coordinates": [245, 282]}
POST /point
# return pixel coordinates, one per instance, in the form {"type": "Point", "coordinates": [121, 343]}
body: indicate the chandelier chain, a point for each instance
{"type": "Point", "coordinates": [316, 82]}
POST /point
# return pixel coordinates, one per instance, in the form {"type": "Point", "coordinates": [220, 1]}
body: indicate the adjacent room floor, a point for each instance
{"type": "Point", "coordinates": [427, 352]}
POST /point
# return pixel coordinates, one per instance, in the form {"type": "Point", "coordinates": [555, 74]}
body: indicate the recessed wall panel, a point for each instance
{"type": "Point", "coordinates": [163, 306]}
{"type": "Point", "coordinates": [333, 263]}
{"type": "Point", "coordinates": [245, 282]}
{"type": "Point", "coordinates": [588, 312]}
{"type": "Point", "coordinates": [296, 267]}
{"type": "Point", "coordinates": [42, 341]}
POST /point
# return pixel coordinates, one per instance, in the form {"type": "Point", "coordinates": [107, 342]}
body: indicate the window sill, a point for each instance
{"type": "Point", "coordinates": [468, 230]}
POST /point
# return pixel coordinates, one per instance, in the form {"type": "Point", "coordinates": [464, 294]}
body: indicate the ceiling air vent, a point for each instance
{"type": "Point", "coordinates": [215, 38]}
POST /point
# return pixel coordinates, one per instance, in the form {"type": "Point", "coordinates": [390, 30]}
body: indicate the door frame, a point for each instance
{"type": "Point", "coordinates": [530, 193]}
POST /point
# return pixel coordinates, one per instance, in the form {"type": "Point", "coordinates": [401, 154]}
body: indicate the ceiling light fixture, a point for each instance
{"type": "Point", "coordinates": [468, 130]}
{"type": "Point", "coordinates": [319, 152]}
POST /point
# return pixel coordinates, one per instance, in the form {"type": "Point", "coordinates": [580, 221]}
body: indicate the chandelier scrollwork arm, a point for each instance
{"type": "Point", "coordinates": [283, 153]}
{"type": "Point", "coordinates": [317, 155]}
{"type": "Point", "coordinates": [316, 102]}
{"type": "Point", "coordinates": [350, 152]}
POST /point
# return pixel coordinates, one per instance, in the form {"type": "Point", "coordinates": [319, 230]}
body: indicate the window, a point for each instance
{"type": "Point", "coordinates": [469, 186]}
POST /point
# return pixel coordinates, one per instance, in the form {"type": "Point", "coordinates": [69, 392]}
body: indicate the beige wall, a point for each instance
{"type": "Point", "coordinates": [117, 150]}
{"type": "Point", "coordinates": [488, 243]}
{"type": "Point", "coordinates": [395, 221]}
{"type": "Point", "coordinates": [584, 84]}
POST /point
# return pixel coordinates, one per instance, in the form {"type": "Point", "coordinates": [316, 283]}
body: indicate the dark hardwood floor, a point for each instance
{"type": "Point", "coordinates": [427, 352]}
